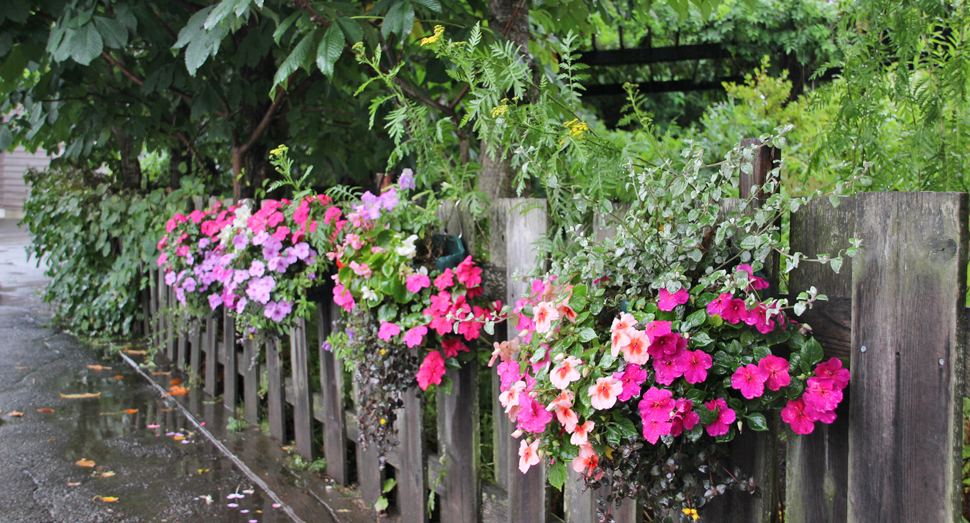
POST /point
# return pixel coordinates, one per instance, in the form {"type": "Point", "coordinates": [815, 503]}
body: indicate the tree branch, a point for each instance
{"type": "Point", "coordinates": [264, 123]}
{"type": "Point", "coordinates": [121, 68]}
{"type": "Point", "coordinates": [314, 16]}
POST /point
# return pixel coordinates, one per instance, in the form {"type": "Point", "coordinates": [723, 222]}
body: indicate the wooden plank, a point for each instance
{"type": "Point", "coordinates": [211, 356]}
{"type": "Point", "coordinates": [332, 385]}
{"type": "Point", "coordinates": [302, 420]}
{"type": "Point", "coordinates": [153, 305]}
{"type": "Point", "coordinates": [817, 463]}
{"type": "Point", "coordinates": [580, 505]}
{"type": "Point", "coordinates": [411, 475]}
{"type": "Point", "coordinates": [181, 343]}
{"type": "Point", "coordinates": [250, 382]}
{"type": "Point", "coordinates": [370, 477]}
{"type": "Point", "coordinates": [516, 225]}
{"type": "Point", "coordinates": [458, 435]}
{"type": "Point", "coordinates": [170, 334]}
{"type": "Point", "coordinates": [908, 292]}
{"type": "Point", "coordinates": [274, 396]}
{"type": "Point", "coordinates": [195, 352]}
{"type": "Point", "coordinates": [230, 378]}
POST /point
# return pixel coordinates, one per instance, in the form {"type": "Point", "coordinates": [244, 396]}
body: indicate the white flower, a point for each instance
{"type": "Point", "coordinates": [368, 294]}
{"type": "Point", "coordinates": [407, 248]}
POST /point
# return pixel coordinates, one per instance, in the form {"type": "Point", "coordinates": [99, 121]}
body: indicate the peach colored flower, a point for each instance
{"type": "Point", "coordinates": [528, 455]}
{"type": "Point", "coordinates": [624, 322]}
{"type": "Point", "coordinates": [603, 394]}
{"type": "Point", "coordinates": [505, 350]}
{"type": "Point", "coordinates": [619, 340]}
{"type": "Point", "coordinates": [563, 401]}
{"type": "Point", "coordinates": [545, 314]}
{"type": "Point", "coordinates": [510, 399]}
{"type": "Point", "coordinates": [567, 417]}
{"type": "Point", "coordinates": [586, 461]}
{"type": "Point", "coordinates": [565, 373]}
{"type": "Point", "coordinates": [565, 311]}
{"type": "Point", "coordinates": [581, 434]}
{"type": "Point", "coordinates": [636, 350]}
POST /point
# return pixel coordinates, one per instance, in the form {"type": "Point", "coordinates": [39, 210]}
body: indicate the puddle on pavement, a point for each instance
{"type": "Point", "coordinates": [149, 456]}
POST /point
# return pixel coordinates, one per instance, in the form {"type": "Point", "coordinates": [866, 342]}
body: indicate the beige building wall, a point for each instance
{"type": "Point", "coordinates": [13, 190]}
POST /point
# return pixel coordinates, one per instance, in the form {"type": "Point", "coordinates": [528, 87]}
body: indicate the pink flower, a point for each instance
{"type": "Point", "coordinates": [343, 298]}
{"type": "Point", "coordinates": [717, 304]}
{"type": "Point", "coordinates": [656, 405]}
{"type": "Point", "coordinates": [563, 400]}
{"type": "Point", "coordinates": [444, 280]}
{"type": "Point", "coordinates": [388, 330]}
{"type": "Point", "coordinates": [757, 283]}
{"type": "Point", "coordinates": [581, 434]}
{"type": "Point", "coordinates": [532, 415]}
{"type": "Point", "coordinates": [666, 369]}
{"type": "Point", "coordinates": [162, 259]}
{"type": "Point", "coordinates": [544, 315]}
{"type": "Point", "coordinates": [750, 380]}
{"type": "Point", "coordinates": [683, 417]}
{"type": "Point", "coordinates": [508, 373]}
{"type": "Point", "coordinates": [567, 417]}
{"type": "Point", "coordinates": [452, 346]}
{"type": "Point", "coordinates": [777, 369]}
{"type": "Point", "coordinates": [632, 377]}
{"type": "Point", "coordinates": [656, 329]}
{"type": "Point", "coordinates": [833, 369]}
{"type": "Point", "coordinates": [725, 417]}
{"type": "Point", "coordinates": [758, 317]}
{"type": "Point", "coordinates": [510, 399]}
{"type": "Point", "coordinates": [431, 371]}
{"type": "Point", "coordinates": [667, 301]}
{"type": "Point", "coordinates": [416, 282]}
{"type": "Point", "coordinates": [586, 461]}
{"type": "Point", "coordinates": [332, 214]}
{"type": "Point", "coordinates": [635, 351]}
{"type": "Point", "coordinates": [734, 311]}
{"type": "Point", "coordinates": [565, 373]}
{"type": "Point", "coordinates": [624, 322]}
{"type": "Point", "coordinates": [468, 274]}
{"type": "Point", "coordinates": [441, 302]}
{"type": "Point", "coordinates": [652, 430]}
{"type": "Point", "coordinates": [603, 394]}
{"type": "Point", "coordinates": [528, 455]}
{"type": "Point", "coordinates": [281, 233]}
{"type": "Point", "coordinates": [441, 324]}
{"type": "Point", "coordinates": [414, 337]}
{"type": "Point", "coordinates": [822, 394]}
{"type": "Point", "coordinates": [565, 311]}
{"type": "Point", "coordinates": [694, 365]}
{"type": "Point", "coordinates": [800, 416]}
{"type": "Point", "coordinates": [361, 269]}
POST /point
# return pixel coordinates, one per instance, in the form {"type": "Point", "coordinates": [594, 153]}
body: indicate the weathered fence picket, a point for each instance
{"type": "Point", "coordinates": [892, 455]}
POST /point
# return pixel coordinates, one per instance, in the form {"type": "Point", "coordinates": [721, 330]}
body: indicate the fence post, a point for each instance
{"type": "Point", "coordinates": [276, 404]}
{"type": "Point", "coordinates": [412, 470]}
{"type": "Point", "coordinates": [250, 381]}
{"type": "Point", "coordinates": [230, 369]}
{"type": "Point", "coordinates": [370, 477]}
{"type": "Point", "coordinates": [817, 463]}
{"type": "Point", "coordinates": [211, 356]}
{"type": "Point", "coordinates": [909, 325]}
{"type": "Point", "coordinates": [516, 224]}
{"type": "Point", "coordinates": [302, 415]}
{"type": "Point", "coordinates": [332, 385]}
{"type": "Point", "coordinates": [180, 353]}
{"type": "Point", "coordinates": [195, 353]}
{"type": "Point", "coordinates": [459, 441]}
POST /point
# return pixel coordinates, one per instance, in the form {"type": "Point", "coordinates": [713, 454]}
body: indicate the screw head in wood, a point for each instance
{"type": "Point", "coordinates": [941, 362]}
{"type": "Point", "coordinates": [863, 348]}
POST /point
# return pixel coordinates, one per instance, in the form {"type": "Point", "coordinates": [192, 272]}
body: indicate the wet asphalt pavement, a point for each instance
{"type": "Point", "coordinates": [150, 462]}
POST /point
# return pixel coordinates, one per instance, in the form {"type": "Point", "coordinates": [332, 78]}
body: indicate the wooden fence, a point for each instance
{"type": "Point", "coordinates": [894, 454]}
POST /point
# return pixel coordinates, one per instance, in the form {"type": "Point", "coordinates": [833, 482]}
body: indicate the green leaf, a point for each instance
{"type": "Point", "coordinates": [557, 474]}
{"type": "Point", "coordinates": [627, 429]}
{"type": "Point", "coordinates": [579, 291]}
{"type": "Point", "coordinates": [696, 319]}
{"type": "Point", "coordinates": [399, 19]}
{"type": "Point", "coordinates": [587, 334]}
{"type": "Point", "coordinates": [293, 61]}
{"type": "Point", "coordinates": [6, 138]}
{"type": "Point", "coordinates": [113, 33]}
{"type": "Point", "coordinates": [432, 5]}
{"type": "Point", "coordinates": [701, 339]}
{"type": "Point", "coordinates": [381, 504]}
{"type": "Point", "coordinates": [812, 352]}
{"type": "Point", "coordinates": [705, 415]}
{"type": "Point", "coordinates": [352, 31]}
{"type": "Point", "coordinates": [757, 421]}
{"type": "Point", "coordinates": [86, 44]}
{"type": "Point", "coordinates": [388, 485]}
{"type": "Point", "coordinates": [331, 45]}
{"type": "Point", "coordinates": [193, 29]}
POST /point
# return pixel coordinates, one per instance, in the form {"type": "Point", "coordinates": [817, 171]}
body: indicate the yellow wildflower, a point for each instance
{"type": "Point", "coordinates": [279, 150]}
{"type": "Point", "coordinates": [438, 31]}
{"type": "Point", "coordinates": [383, 421]}
{"type": "Point", "coordinates": [692, 513]}
{"type": "Point", "coordinates": [500, 110]}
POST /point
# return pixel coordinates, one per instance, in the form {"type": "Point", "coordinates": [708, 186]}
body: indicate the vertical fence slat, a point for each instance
{"type": "Point", "coordinates": [369, 475]}
{"type": "Point", "coordinates": [411, 477]}
{"type": "Point", "coordinates": [458, 434]}
{"type": "Point", "coordinates": [516, 224]}
{"type": "Point", "coordinates": [250, 382]}
{"type": "Point", "coordinates": [181, 348]}
{"type": "Point", "coordinates": [274, 396]}
{"type": "Point", "coordinates": [331, 383]}
{"type": "Point", "coordinates": [211, 356]}
{"type": "Point", "coordinates": [170, 334]}
{"type": "Point", "coordinates": [580, 506]}
{"type": "Point", "coordinates": [908, 311]}
{"type": "Point", "coordinates": [195, 352]}
{"type": "Point", "coordinates": [230, 373]}
{"type": "Point", "coordinates": [302, 417]}
{"type": "Point", "coordinates": [153, 306]}
{"type": "Point", "coordinates": [817, 464]}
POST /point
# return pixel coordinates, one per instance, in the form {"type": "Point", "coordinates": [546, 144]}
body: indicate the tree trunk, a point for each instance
{"type": "Point", "coordinates": [129, 170]}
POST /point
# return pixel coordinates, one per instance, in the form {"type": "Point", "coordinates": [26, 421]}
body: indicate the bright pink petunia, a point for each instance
{"type": "Point", "coordinates": [444, 280]}
{"type": "Point", "coordinates": [668, 302]}
{"type": "Point", "coordinates": [668, 345]}
{"type": "Point", "coordinates": [822, 394]}
{"type": "Point", "coordinates": [431, 371]}
{"type": "Point", "coordinates": [656, 329]}
{"type": "Point", "coordinates": [528, 455]}
{"type": "Point", "coordinates": [750, 380]}
{"type": "Point", "coordinates": [452, 346]}
{"type": "Point", "coordinates": [694, 365]}
{"type": "Point", "coordinates": [777, 369]}
{"type": "Point", "coordinates": [734, 311]}
{"type": "Point", "coordinates": [757, 283]}
{"type": "Point", "coordinates": [725, 417]}
{"type": "Point", "coordinates": [604, 392]}
{"type": "Point", "coordinates": [683, 417]}
{"type": "Point", "coordinates": [414, 336]}
{"type": "Point", "coordinates": [632, 377]}
{"type": "Point", "coordinates": [388, 330]}
{"type": "Point", "coordinates": [717, 304]}
{"type": "Point", "coordinates": [800, 416]}
{"type": "Point", "coordinates": [441, 302]}
{"type": "Point", "coordinates": [833, 369]}
{"type": "Point", "coordinates": [653, 429]}
{"type": "Point", "coordinates": [508, 372]}
{"type": "Point", "coordinates": [468, 274]}
{"type": "Point", "coordinates": [532, 416]}
{"type": "Point", "coordinates": [656, 405]}
{"type": "Point", "coordinates": [565, 373]}
{"type": "Point", "coordinates": [416, 282]}
{"type": "Point", "coordinates": [666, 369]}
{"type": "Point", "coordinates": [440, 324]}
{"type": "Point", "coordinates": [758, 317]}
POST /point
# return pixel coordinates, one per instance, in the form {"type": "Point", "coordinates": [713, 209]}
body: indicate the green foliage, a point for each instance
{"type": "Point", "coordinates": [97, 242]}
